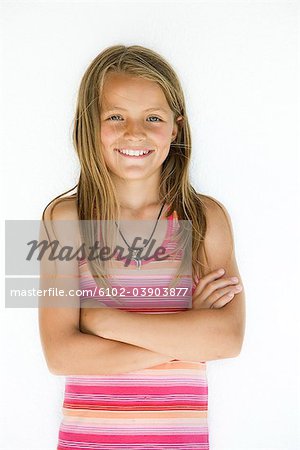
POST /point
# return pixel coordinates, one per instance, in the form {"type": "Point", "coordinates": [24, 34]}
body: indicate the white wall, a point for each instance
{"type": "Point", "coordinates": [237, 64]}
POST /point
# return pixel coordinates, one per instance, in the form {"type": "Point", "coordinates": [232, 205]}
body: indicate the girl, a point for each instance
{"type": "Point", "coordinates": [136, 374]}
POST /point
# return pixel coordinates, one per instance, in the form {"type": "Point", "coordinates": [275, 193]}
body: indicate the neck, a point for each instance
{"type": "Point", "coordinates": [137, 195]}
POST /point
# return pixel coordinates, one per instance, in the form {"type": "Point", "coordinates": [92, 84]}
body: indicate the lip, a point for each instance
{"type": "Point", "coordinates": [135, 149]}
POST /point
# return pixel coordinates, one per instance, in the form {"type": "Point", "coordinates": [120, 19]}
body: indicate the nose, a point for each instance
{"type": "Point", "coordinates": [134, 130]}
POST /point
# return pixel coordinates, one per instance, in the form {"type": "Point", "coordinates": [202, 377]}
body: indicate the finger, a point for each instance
{"type": "Point", "coordinates": [228, 282]}
{"type": "Point", "coordinates": [206, 301]}
{"type": "Point", "coordinates": [221, 302]}
{"type": "Point", "coordinates": [226, 290]}
{"type": "Point", "coordinates": [206, 279]}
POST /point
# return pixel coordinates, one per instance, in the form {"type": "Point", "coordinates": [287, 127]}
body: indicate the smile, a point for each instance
{"type": "Point", "coordinates": [134, 153]}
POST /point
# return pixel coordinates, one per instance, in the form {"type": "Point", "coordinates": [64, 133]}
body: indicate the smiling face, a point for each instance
{"type": "Point", "coordinates": [135, 115]}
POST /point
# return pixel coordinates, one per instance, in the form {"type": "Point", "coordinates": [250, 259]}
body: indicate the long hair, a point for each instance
{"type": "Point", "coordinates": [96, 196]}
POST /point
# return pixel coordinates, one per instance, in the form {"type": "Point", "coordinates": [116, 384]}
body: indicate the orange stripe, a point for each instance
{"type": "Point", "coordinates": [134, 414]}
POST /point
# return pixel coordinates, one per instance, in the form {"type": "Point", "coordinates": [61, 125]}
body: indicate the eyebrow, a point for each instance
{"type": "Point", "coordinates": [158, 108]}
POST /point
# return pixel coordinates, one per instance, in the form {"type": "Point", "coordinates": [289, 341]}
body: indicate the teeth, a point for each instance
{"type": "Point", "coordinates": [134, 152]}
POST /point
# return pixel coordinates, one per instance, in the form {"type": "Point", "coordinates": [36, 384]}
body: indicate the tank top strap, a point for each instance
{"type": "Point", "coordinates": [175, 215]}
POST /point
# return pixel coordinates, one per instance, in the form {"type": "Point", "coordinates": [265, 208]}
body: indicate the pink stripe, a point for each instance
{"type": "Point", "coordinates": [132, 439]}
{"type": "Point", "coordinates": [131, 390]}
{"type": "Point", "coordinates": [181, 388]}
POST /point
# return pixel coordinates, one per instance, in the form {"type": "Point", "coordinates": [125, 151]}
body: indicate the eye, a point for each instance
{"type": "Point", "coordinates": [115, 115]}
{"type": "Point", "coordinates": [150, 117]}
{"type": "Point", "coordinates": [155, 117]}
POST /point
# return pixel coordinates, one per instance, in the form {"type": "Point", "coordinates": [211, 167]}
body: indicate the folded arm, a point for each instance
{"type": "Point", "coordinates": [194, 335]}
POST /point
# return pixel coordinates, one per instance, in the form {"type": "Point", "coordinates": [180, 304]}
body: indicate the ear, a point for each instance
{"type": "Point", "coordinates": [177, 122]}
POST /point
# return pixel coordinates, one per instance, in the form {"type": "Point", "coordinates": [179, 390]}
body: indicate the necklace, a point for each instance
{"type": "Point", "coordinates": [138, 250]}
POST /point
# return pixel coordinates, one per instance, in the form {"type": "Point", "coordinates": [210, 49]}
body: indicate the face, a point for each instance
{"type": "Point", "coordinates": [135, 115]}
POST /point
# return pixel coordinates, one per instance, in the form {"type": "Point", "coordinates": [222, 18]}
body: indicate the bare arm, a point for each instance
{"type": "Point", "coordinates": [196, 335]}
{"type": "Point", "coordinates": [84, 354]}
{"type": "Point", "coordinates": [192, 335]}
{"type": "Point", "coordinates": [67, 350]}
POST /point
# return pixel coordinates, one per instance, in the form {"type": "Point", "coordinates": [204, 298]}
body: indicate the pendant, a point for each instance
{"type": "Point", "coordinates": [136, 259]}
{"type": "Point", "coordinates": [138, 263]}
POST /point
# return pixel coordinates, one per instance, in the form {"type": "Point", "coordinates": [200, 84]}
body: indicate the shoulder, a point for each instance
{"type": "Point", "coordinates": [64, 208]}
{"type": "Point", "coordinates": [219, 239]}
{"type": "Point", "coordinates": [213, 207]}
{"type": "Point", "coordinates": [216, 214]}
{"type": "Point", "coordinates": [60, 221]}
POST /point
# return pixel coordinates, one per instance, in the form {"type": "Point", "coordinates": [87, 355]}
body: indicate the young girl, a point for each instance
{"type": "Point", "coordinates": [136, 370]}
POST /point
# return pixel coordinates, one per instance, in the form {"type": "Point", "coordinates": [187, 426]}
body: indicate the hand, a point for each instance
{"type": "Point", "coordinates": [214, 291]}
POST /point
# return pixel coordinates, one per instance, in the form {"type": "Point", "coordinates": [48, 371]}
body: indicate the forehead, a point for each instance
{"type": "Point", "coordinates": [128, 91]}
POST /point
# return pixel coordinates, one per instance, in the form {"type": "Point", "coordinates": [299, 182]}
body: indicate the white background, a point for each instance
{"type": "Point", "coordinates": [237, 62]}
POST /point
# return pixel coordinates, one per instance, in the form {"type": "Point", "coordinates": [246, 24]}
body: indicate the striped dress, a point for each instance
{"type": "Point", "coordinates": [163, 407]}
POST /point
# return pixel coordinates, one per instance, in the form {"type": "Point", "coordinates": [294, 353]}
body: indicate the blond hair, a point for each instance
{"type": "Point", "coordinates": [96, 197]}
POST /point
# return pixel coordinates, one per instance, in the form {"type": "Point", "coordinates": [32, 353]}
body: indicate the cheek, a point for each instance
{"type": "Point", "coordinates": [108, 133]}
{"type": "Point", "coordinates": [161, 134]}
